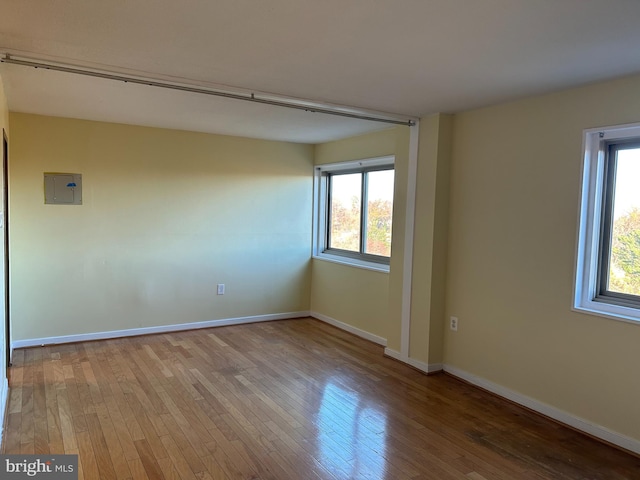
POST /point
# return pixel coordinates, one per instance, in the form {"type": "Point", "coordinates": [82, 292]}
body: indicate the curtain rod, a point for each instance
{"type": "Point", "coordinates": [185, 88]}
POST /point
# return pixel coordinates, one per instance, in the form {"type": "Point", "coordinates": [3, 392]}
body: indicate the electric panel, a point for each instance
{"type": "Point", "coordinates": [63, 188]}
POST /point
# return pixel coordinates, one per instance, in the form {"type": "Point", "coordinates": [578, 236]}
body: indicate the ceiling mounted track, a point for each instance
{"type": "Point", "coordinates": [249, 97]}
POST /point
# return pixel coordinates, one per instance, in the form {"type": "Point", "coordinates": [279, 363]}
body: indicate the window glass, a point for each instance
{"type": "Point", "coordinates": [624, 253]}
{"type": "Point", "coordinates": [344, 211]}
{"type": "Point", "coordinates": [379, 212]}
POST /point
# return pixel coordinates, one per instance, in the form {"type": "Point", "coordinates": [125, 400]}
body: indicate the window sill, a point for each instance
{"type": "Point", "coordinates": [612, 312]}
{"type": "Point", "coordinates": [353, 262]}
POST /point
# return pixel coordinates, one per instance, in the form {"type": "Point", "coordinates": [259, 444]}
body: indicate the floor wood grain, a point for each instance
{"type": "Point", "coordinates": [292, 399]}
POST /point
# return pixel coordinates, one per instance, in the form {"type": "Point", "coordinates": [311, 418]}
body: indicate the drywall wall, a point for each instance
{"type": "Point", "coordinates": [166, 216]}
{"type": "Point", "coordinates": [4, 126]}
{"type": "Point", "coordinates": [515, 182]}
{"type": "Point", "coordinates": [350, 295]}
{"type": "Point", "coordinates": [430, 241]}
{"type": "Point", "coordinates": [355, 296]}
{"type": "Point", "coordinates": [399, 278]}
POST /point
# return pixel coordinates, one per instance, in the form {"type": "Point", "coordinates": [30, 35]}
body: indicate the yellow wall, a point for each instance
{"type": "Point", "coordinates": [430, 240]}
{"type": "Point", "coordinates": [351, 295]}
{"type": "Point", "coordinates": [397, 279]}
{"type": "Point", "coordinates": [166, 216]}
{"type": "Point", "coordinates": [359, 297]}
{"type": "Point", "coordinates": [4, 125]}
{"type": "Point", "coordinates": [515, 181]}
{"type": "Point", "coordinates": [4, 110]}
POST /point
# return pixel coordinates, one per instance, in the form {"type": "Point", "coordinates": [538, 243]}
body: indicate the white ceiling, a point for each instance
{"type": "Point", "coordinates": [406, 57]}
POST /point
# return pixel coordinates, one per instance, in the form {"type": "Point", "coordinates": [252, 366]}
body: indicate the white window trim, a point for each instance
{"type": "Point", "coordinates": [590, 224]}
{"type": "Point", "coordinates": [320, 210]}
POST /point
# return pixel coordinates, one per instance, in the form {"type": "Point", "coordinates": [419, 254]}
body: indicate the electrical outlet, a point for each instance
{"type": "Point", "coordinates": [221, 289]}
{"type": "Point", "coordinates": [453, 323]}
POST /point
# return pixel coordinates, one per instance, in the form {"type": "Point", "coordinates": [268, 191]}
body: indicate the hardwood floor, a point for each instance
{"type": "Point", "coordinates": [294, 399]}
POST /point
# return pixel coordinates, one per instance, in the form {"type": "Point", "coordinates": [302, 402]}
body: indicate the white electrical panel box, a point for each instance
{"type": "Point", "coordinates": [63, 188]}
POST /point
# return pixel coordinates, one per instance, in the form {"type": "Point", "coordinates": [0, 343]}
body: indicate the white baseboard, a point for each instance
{"type": "Point", "coordinates": [561, 416]}
{"type": "Point", "coordinates": [131, 332]}
{"type": "Point", "coordinates": [4, 400]}
{"type": "Point", "coordinates": [420, 365]}
{"type": "Point", "coordinates": [348, 328]}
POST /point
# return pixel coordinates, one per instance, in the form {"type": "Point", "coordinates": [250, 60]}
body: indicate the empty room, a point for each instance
{"type": "Point", "coordinates": [320, 240]}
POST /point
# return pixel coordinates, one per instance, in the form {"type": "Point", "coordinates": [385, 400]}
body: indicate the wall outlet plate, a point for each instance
{"type": "Point", "coordinates": [453, 323]}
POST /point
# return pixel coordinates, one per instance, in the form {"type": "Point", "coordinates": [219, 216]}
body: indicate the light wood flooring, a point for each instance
{"type": "Point", "coordinates": [294, 399]}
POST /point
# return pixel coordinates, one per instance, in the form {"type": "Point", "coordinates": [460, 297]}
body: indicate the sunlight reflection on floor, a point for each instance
{"type": "Point", "coordinates": [351, 434]}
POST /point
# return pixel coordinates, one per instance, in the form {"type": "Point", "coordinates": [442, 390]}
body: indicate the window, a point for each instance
{"type": "Point", "coordinates": [608, 268]}
{"type": "Point", "coordinates": [354, 207]}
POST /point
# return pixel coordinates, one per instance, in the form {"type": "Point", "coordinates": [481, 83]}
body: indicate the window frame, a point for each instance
{"type": "Point", "coordinates": [594, 235]}
{"type": "Point", "coordinates": [321, 234]}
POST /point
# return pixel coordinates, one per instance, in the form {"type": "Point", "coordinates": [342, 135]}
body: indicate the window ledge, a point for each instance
{"type": "Point", "coordinates": [612, 312]}
{"type": "Point", "coordinates": [353, 262]}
